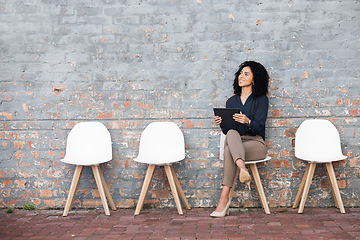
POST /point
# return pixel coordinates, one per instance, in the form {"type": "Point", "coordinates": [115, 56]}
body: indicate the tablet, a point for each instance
{"type": "Point", "coordinates": [226, 115]}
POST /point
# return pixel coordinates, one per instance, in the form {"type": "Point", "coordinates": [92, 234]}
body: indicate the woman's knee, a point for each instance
{"type": "Point", "coordinates": [233, 136]}
{"type": "Point", "coordinates": [232, 132]}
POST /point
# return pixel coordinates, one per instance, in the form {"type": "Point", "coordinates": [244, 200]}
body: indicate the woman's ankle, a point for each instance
{"type": "Point", "coordinates": [240, 163]}
{"type": "Point", "coordinates": [224, 199]}
{"type": "Point", "coordinates": [221, 205]}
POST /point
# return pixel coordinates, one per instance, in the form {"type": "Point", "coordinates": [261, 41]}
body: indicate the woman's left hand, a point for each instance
{"type": "Point", "coordinates": [241, 118]}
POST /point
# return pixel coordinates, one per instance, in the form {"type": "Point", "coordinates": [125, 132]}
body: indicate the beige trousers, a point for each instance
{"type": "Point", "coordinates": [247, 148]}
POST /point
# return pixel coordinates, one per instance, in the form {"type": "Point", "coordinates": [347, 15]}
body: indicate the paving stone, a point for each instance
{"type": "Point", "coordinates": [167, 224]}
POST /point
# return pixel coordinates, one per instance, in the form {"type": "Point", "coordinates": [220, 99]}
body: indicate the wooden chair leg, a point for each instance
{"type": "Point", "coordinates": [73, 188]}
{"type": "Point", "coordinates": [259, 187]}
{"type": "Point", "coordinates": [335, 187]}
{"type": "Point", "coordinates": [107, 191]}
{"type": "Point", "coordinates": [301, 187]}
{"type": "Point", "coordinates": [76, 187]}
{"type": "Point", "coordinates": [307, 186]}
{"type": "Point", "coordinates": [145, 188]}
{"type": "Point", "coordinates": [99, 183]}
{"type": "Point", "coordinates": [332, 188]}
{"type": "Point", "coordinates": [173, 188]}
{"type": "Point", "coordinates": [179, 189]}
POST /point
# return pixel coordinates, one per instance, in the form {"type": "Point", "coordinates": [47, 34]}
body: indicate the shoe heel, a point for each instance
{"type": "Point", "coordinates": [248, 184]}
{"type": "Point", "coordinates": [228, 207]}
{"type": "Point", "coordinates": [245, 177]}
{"type": "Point", "coordinates": [223, 213]}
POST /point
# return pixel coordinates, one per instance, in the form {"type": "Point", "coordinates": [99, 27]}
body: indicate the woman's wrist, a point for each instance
{"type": "Point", "coordinates": [249, 122]}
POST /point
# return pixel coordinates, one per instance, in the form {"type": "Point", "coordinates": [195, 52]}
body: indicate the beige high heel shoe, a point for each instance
{"type": "Point", "coordinates": [223, 213]}
{"type": "Point", "coordinates": [245, 177]}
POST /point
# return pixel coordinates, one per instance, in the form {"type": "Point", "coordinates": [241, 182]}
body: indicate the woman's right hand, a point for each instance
{"type": "Point", "coordinates": [217, 120]}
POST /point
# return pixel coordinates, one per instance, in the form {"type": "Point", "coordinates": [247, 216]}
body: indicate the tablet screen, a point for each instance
{"type": "Point", "coordinates": [226, 115]}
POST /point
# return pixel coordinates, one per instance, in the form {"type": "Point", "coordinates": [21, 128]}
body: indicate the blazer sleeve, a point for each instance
{"type": "Point", "coordinates": [258, 120]}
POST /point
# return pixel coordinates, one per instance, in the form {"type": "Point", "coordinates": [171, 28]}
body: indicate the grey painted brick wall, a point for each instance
{"type": "Point", "coordinates": [127, 63]}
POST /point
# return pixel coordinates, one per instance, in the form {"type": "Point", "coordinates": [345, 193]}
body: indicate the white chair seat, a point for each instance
{"type": "Point", "coordinates": [71, 161]}
{"type": "Point", "coordinates": [267, 158]}
{"type": "Point", "coordinates": [161, 144]}
{"type": "Point", "coordinates": [155, 161]}
{"type": "Point", "coordinates": [318, 141]}
{"type": "Point", "coordinates": [334, 159]}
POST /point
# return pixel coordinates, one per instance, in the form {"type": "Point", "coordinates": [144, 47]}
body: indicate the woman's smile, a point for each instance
{"type": "Point", "coordinates": [246, 77]}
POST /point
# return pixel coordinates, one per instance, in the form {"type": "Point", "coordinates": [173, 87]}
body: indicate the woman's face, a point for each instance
{"type": "Point", "coordinates": [246, 77]}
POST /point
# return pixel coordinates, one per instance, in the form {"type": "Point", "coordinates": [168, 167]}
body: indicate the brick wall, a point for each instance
{"type": "Point", "coordinates": [127, 63]}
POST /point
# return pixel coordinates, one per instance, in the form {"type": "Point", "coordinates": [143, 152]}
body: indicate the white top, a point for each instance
{"type": "Point", "coordinates": [317, 140]}
{"type": "Point", "coordinates": [161, 143]}
{"type": "Point", "coordinates": [88, 143]}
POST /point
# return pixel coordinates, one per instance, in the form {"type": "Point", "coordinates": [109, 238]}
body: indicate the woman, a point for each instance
{"type": "Point", "coordinates": [244, 141]}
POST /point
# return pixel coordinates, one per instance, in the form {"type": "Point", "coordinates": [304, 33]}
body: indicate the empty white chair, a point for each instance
{"type": "Point", "coordinates": [254, 172]}
{"type": "Point", "coordinates": [318, 141]}
{"type": "Point", "coordinates": [88, 144]}
{"type": "Point", "coordinates": [162, 143]}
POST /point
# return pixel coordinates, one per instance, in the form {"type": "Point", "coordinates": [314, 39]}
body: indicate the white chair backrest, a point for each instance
{"type": "Point", "coordinates": [222, 143]}
{"type": "Point", "coordinates": [318, 140]}
{"type": "Point", "coordinates": [88, 143]}
{"type": "Point", "coordinates": [161, 143]}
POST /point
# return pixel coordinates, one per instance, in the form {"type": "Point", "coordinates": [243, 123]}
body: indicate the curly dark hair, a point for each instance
{"type": "Point", "coordinates": [260, 75]}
